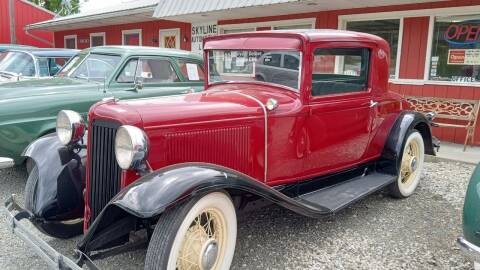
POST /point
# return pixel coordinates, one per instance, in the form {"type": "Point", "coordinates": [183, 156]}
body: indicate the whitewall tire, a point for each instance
{"type": "Point", "coordinates": [411, 166]}
{"type": "Point", "coordinates": [198, 234]}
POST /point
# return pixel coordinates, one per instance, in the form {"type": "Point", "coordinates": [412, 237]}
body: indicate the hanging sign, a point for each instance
{"type": "Point", "coordinates": [201, 31]}
{"type": "Point", "coordinates": [468, 57]}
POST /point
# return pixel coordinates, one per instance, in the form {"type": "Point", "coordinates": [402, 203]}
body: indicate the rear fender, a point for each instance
{"type": "Point", "coordinates": [152, 194]}
{"type": "Point", "coordinates": [58, 193]}
{"type": "Point", "coordinates": [393, 149]}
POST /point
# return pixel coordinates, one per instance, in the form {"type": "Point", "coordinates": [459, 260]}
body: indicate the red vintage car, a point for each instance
{"type": "Point", "coordinates": [302, 119]}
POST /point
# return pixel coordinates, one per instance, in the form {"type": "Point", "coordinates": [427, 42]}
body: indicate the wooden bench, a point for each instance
{"type": "Point", "coordinates": [463, 111]}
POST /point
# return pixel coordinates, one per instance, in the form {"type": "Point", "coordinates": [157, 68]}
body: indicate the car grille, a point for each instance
{"type": "Point", "coordinates": [104, 174]}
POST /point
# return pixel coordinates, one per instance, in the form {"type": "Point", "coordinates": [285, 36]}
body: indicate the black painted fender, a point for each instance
{"type": "Point", "coordinates": [151, 195]}
{"type": "Point", "coordinates": [393, 148]}
{"type": "Point", "coordinates": [58, 193]}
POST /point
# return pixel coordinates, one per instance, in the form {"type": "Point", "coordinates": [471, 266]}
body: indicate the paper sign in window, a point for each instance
{"type": "Point", "coordinates": [192, 72]}
{"type": "Point", "coordinates": [470, 57]}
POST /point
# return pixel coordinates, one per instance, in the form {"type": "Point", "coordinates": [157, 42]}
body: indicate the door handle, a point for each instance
{"type": "Point", "coordinates": [373, 104]}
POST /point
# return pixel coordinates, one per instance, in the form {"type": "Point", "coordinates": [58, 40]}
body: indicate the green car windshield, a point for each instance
{"type": "Point", "coordinates": [95, 67]}
{"type": "Point", "coordinates": [17, 63]}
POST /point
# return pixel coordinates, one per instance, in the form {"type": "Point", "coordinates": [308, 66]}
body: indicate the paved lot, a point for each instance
{"type": "Point", "coordinates": [377, 233]}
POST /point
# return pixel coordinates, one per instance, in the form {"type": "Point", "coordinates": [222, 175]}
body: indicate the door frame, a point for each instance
{"type": "Point", "coordinates": [170, 30]}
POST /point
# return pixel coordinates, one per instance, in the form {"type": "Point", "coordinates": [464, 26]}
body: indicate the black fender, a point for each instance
{"type": "Point", "coordinates": [156, 192]}
{"type": "Point", "coordinates": [59, 190]}
{"type": "Point", "coordinates": [393, 149]}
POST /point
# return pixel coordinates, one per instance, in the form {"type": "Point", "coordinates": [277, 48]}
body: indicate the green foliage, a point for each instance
{"type": "Point", "coordinates": [61, 7]}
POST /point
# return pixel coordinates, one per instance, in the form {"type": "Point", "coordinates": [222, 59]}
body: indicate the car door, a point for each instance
{"type": "Point", "coordinates": [158, 76]}
{"type": "Point", "coordinates": [341, 109]}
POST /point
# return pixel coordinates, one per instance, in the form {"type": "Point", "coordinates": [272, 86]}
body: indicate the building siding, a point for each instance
{"type": "Point", "coordinates": [113, 34]}
{"type": "Point", "coordinates": [25, 14]}
{"type": "Point", "coordinates": [414, 49]}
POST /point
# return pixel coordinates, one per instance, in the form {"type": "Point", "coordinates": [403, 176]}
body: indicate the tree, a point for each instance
{"type": "Point", "coordinates": [61, 7]}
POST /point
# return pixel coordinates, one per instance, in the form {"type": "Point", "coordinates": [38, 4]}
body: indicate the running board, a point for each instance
{"type": "Point", "coordinates": [339, 196]}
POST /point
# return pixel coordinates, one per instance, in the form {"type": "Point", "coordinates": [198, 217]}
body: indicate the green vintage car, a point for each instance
{"type": "Point", "coordinates": [28, 109]}
{"type": "Point", "coordinates": [470, 242]}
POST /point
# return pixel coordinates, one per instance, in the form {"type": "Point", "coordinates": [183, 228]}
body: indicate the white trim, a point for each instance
{"type": "Point", "coordinates": [70, 37]}
{"type": "Point", "coordinates": [312, 21]}
{"type": "Point", "coordinates": [177, 33]}
{"type": "Point", "coordinates": [98, 34]}
{"type": "Point", "coordinates": [430, 82]}
{"type": "Point", "coordinates": [428, 60]}
{"type": "Point", "coordinates": [132, 31]}
{"type": "Point", "coordinates": [399, 49]}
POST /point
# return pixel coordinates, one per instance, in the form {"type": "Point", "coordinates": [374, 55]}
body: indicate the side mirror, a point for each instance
{"type": "Point", "coordinates": [138, 83]}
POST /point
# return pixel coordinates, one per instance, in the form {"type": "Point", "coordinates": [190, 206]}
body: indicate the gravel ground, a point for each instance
{"type": "Point", "coordinates": [377, 233]}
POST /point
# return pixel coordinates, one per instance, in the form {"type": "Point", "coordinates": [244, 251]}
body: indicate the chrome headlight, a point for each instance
{"type": "Point", "coordinates": [70, 127]}
{"type": "Point", "coordinates": [131, 147]}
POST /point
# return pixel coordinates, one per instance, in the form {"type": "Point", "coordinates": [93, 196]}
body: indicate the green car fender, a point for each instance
{"type": "Point", "coordinates": [471, 209]}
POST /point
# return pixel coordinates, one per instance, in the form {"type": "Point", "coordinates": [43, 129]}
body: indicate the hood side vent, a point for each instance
{"type": "Point", "coordinates": [229, 147]}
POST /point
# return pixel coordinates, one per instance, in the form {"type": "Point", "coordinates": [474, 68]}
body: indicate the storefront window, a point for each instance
{"type": "Point", "coordinates": [456, 49]}
{"type": "Point", "coordinates": [386, 29]}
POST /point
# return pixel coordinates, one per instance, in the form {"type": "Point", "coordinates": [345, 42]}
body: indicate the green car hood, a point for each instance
{"type": "Point", "coordinates": [471, 209]}
{"type": "Point", "coordinates": [41, 87]}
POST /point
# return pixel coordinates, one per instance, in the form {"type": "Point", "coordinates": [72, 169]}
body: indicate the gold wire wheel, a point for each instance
{"type": "Point", "coordinates": [410, 162]}
{"type": "Point", "coordinates": [204, 242]}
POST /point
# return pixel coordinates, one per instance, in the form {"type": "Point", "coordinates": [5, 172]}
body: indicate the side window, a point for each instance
{"type": "Point", "coordinates": [291, 62]}
{"type": "Point", "coordinates": [272, 60]}
{"type": "Point", "coordinates": [191, 71]}
{"type": "Point", "coordinates": [43, 67]}
{"type": "Point", "coordinates": [156, 71]}
{"type": "Point", "coordinates": [55, 64]}
{"type": "Point", "coordinates": [128, 73]}
{"type": "Point", "coordinates": [340, 70]}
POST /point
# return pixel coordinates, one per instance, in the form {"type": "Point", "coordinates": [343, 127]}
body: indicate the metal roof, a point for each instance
{"type": "Point", "coordinates": [195, 11]}
{"type": "Point", "coordinates": [48, 52]}
{"type": "Point", "coordinates": [124, 12]}
{"type": "Point", "coordinates": [168, 8]}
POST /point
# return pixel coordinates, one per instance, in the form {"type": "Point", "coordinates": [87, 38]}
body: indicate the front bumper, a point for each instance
{"type": "Point", "coordinates": [54, 259]}
{"type": "Point", "coordinates": [470, 250]}
{"type": "Point", "coordinates": [6, 162]}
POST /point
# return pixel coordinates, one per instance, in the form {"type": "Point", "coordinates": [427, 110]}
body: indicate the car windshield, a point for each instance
{"type": "Point", "coordinates": [96, 67]}
{"type": "Point", "coordinates": [17, 63]}
{"type": "Point", "coordinates": [275, 67]}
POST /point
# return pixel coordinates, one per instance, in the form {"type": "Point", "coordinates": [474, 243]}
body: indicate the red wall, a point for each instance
{"type": "Point", "coordinates": [414, 48]}
{"type": "Point", "coordinates": [113, 34]}
{"type": "Point", "coordinates": [25, 14]}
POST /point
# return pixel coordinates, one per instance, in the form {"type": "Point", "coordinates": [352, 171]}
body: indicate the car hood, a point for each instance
{"type": "Point", "coordinates": [41, 87]}
{"type": "Point", "coordinates": [210, 106]}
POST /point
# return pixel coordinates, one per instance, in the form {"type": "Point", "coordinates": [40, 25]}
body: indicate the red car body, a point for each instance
{"type": "Point", "coordinates": [243, 141]}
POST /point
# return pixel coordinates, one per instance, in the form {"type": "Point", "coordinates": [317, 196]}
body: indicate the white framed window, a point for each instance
{"type": "Point", "coordinates": [97, 39]}
{"type": "Point", "coordinates": [70, 41]}
{"type": "Point", "coordinates": [132, 37]}
{"type": "Point", "coordinates": [454, 45]}
{"type": "Point", "coordinates": [170, 38]}
{"type": "Point", "coordinates": [307, 23]}
{"type": "Point", "coordinates": [390, 29]}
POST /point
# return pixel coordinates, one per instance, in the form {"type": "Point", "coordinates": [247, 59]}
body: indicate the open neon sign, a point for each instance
{"type": "Point", "coordinates": [463, 34]}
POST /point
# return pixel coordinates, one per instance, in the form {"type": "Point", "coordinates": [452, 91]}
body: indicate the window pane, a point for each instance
{"type": "Point", "coordinates": [18, 63]}
{"type": "Point", "coordinates": [338, 71]}
{"type": "Point", "coordinates": [156, 71]}
{"type": "Point", "coordinates": [55, 64]}
{"type": "Point", "coordinates": [131, 39]}
{"type": "Point", "coordinates": [298, 26]}
{"type": "Point", "coordinates": [251, 66]}
{"type": "Point", "coordinates": [386, 29]}
{"type": "Point", "coordinates": [70, 43]}
{"type": "Point", "coordinates": [191, 71]}
{"type": "Point", "coordinates": [456, 49]}
{"type": "Point", "coordinates": [231, 31]}
{"type": "Point", "coordinates": [128, 73]}
{"type": "Point", "coordinates": [96, 67]}
{"type": "Point", "coordinates": [97, 41]}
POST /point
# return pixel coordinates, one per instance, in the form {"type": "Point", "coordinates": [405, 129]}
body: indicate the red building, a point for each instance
{"type": "Point", "coordinates": [16, 15]}
{"type": "Point", "coordinates": [422, 34]}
